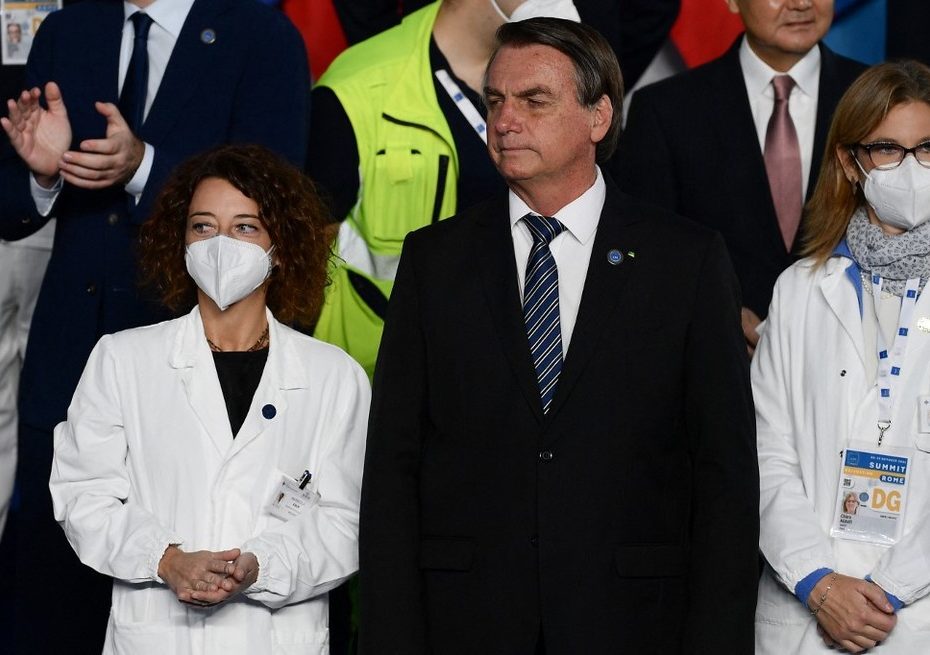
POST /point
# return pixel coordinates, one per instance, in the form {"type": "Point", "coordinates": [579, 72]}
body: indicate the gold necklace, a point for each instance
{"type": "Point", "coordinates": [258, 345]}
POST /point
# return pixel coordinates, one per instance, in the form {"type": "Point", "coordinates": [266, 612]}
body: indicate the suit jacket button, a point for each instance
{"type": "Point", "coordinates": [113, 218]}
{"type": "Point", "coordinates": [534, 541]}
{"type": "Point", "coordinates": [26, 220]}
{"type": "Point", "coordinates": [546, 455]}
{"type": "Point", "coordinates": [91, 288]}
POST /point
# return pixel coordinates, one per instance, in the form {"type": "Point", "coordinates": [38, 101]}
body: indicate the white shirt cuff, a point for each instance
{"type": "Point", "coordinates": [136, 185]}
{"type": "Point", "coordinates": [44, 198]}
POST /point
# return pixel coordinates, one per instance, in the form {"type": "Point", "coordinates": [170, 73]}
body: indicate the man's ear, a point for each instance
{"type": "Point", "coordinates": [602, 115]}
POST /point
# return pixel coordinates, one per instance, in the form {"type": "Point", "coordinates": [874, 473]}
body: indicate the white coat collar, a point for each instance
{"type": "Point", "coordinates": [284, 371]}
{"type": "Point", "coordinates": [190, 348]}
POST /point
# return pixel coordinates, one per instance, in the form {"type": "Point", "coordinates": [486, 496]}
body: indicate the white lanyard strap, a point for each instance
{"type": "Point", "coordinates": [471, 114]}
{"type": "Point", "coordinates": [891, 362]}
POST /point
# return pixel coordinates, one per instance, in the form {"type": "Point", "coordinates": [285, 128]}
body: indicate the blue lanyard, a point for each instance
{"type": "Point", "coordinates": [471, 114]}
{"type": "Point", "coordinates": [891, 362]}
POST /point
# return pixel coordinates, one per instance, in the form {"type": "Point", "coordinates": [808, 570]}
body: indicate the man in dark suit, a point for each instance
{"type": "Point", "coordinates": [696, 143]}
{"type": "Point", "coordinates": [561, 452]}
{"type": "Point", "coordinates": [126, 95]}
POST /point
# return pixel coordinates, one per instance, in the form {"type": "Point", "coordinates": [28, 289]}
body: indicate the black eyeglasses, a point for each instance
{"type": "Point", "coordinates": [886, 156]}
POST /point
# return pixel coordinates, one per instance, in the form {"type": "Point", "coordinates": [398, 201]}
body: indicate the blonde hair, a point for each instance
{"type": "Point", "coordinates": [864, 105]}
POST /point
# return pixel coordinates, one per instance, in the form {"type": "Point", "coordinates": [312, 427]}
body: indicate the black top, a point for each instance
{"type": "Point", "coordinates": [333, 151]}
{"type": "Point", "coordinates": [239, 374]}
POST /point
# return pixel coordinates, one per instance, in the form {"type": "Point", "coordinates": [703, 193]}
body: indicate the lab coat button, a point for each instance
{"type": "Point", "coordinates": [546, 455]}
{"type": "Point", "coordinates": [269, 411]}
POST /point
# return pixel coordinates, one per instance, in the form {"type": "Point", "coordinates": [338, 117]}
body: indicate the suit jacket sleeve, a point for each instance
{"type": "Point", "coordinates": [391, 593]}
{"type": "Point", "coordinates": [721, 428]}
{"type": "Point", "coordinates": [643, 165]}
{"type": "Point", "coordinates": [270, 107]}
{"type": "Point", "coordinates": [18, 214]}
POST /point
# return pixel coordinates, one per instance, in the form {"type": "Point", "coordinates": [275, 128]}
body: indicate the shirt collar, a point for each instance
{"type": "Point", "coordinates": [167, 14]}
{"type": "Point", "coordinates": [758, 74]}
{"type": "Point", "coordinates": [580, 216]}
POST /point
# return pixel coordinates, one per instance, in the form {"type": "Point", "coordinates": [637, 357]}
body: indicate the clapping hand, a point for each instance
{"type": "Point", "coordinates": [40, 136]}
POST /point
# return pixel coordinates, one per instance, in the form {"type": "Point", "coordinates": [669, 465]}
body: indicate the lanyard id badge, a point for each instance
{"type": "Point", "coordinates": [292, 497]}
{"type": "Point", "coordinates": [469, 111]}
{"type": "Point", "coordinates": [872, 494]}
{"type": "Point", "coordinates": [890, 363]}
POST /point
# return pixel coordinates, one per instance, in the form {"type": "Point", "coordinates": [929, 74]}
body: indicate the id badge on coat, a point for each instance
{"type": "Point", "coordinates": [872, 494]}
{"type": "Point", "coordinates": [291, 498]}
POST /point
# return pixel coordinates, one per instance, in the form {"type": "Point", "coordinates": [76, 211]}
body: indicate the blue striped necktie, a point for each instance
{"type": "Point", "coordinates": [135, 85]}
{"type": "Point", "coordinates": [541, 306]}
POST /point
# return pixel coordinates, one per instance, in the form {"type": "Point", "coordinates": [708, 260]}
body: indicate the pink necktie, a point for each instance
{"type": "Point", "coordinates": [783, 162]}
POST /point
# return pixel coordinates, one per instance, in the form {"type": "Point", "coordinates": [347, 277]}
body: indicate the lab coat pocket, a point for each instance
{"type": "Point", "coordinates": [148, 638]}
{"type": "Point", "coordinates": [922, 442]}
{"type": "Point", "coordinates": [270, 492]}
{"type": "Point", "coordinates": [300, 642]}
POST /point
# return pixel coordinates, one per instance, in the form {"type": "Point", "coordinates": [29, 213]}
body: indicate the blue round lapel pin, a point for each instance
{"type": "Point", "coordinates": [208, 36]}
{"type": "Point", "coordinates": [269, 411]}
{"type": "Point", "coordinates": [614, 256]}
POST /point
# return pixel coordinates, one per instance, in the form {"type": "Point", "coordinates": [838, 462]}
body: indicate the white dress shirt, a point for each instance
{"type": "Point", "coordinates": [168, 18]}
{"type": "Point", "coordinates": [571, 249]}
{"type": "Point", "coordinates": [802, 104]}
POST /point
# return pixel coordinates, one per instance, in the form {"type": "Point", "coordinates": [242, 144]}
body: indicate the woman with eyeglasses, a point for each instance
{"type": "Point", "coordinates": [841, 382]}
{"type": "Point", "coordinates": [211, 465]}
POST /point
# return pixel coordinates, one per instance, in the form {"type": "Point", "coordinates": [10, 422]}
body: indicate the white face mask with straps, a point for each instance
{"type": "Point", "coordinates": [227, 269]}
{"type": "Point", "coordinates": [900, 196]}
{"type": "Point", "coordinates": [533, 8]}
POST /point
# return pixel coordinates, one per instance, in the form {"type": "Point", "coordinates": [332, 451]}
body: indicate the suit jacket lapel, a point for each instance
{"type": "Point", "coordinates": [189, 61]}
{"type": "Point", "coordinates": [494, 250]}
{"type": "Point", "coordinates": [603, 289]}
{"type": "Point", "coordinates": [103, 84]}
{"type": "Point", "coordinates": [828, 95]}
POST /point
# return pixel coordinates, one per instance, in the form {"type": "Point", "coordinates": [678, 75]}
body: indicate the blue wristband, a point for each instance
{"type": "Point", "coordinates": [803, 589]}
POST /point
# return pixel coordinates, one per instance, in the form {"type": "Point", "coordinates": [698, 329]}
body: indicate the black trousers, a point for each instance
{"type": "Point", "coordinates": [52, 603]}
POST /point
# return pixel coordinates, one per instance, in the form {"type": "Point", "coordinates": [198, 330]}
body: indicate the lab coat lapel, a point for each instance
{"type": "Point", "coordinates": [192, 357]}
{"type": "Point", "coordinates": [841, 297]}
{"type": "Point", "coordinates": [284, 371]}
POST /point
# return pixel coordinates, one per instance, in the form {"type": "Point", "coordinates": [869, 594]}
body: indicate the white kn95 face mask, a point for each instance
{"type": "Point", "coordinates": [900, 196]}
{"type": "Point", "coordinates": [227, 269]}
{"type": "Point", "coordinates": [539, 8]}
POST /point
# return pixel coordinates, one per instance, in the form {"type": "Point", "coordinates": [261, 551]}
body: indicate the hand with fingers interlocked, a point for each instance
{"type": "Point", "coordinates": [200, 572]}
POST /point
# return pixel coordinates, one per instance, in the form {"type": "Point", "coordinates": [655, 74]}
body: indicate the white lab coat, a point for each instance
{"type": "Point", "coordinates": [813, 394]}
{"type": "Point", "coordinates": [147, 459]}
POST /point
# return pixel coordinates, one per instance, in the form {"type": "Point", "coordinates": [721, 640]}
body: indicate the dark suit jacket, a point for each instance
{"type": "Point", "coordinates": [624, 520]}
{"type": "Point", "coordinates": [690, 145]}
{"type": "Point", "coordinates": [250, 85]}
